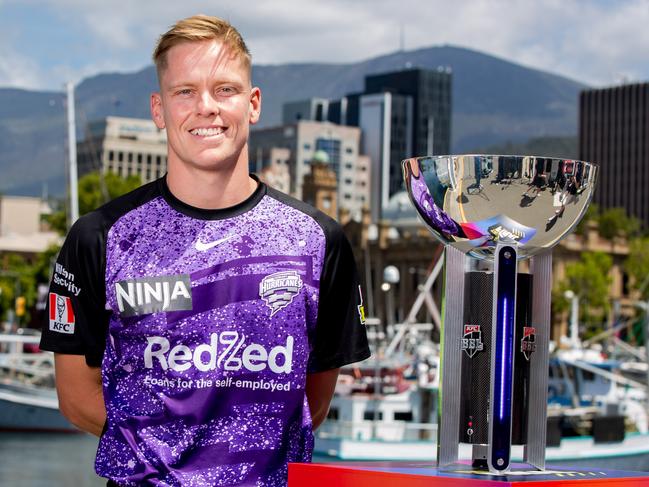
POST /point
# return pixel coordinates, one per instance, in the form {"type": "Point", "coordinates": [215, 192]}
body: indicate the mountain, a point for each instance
{"type": "Point", "coordinates": [494, 101]}
{"type": "Point", "coordinates": [556, 146]}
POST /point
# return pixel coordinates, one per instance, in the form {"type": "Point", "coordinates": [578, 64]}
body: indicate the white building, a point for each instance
{"type": "Point", "coordinates": [21, 227]}
{"type": "Point", "coordinates": [303, 139]}
{"type": "Point", "coordinates": [125, 146]}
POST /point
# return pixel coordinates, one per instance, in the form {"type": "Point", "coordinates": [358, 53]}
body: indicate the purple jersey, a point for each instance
{"type": "Point", "coordinates": [205, 324]}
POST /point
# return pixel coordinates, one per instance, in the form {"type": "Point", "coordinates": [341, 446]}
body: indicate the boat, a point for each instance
{"type": "Point", "coordinates": [376, 414]}
{"type": "Point", "coordinates": [28, 400]}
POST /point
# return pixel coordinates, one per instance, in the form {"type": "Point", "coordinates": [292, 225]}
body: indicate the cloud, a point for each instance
{"type": "Point", "coordinates": [18, 71]}
{"type": "Point", "coordinates": [590, 41]}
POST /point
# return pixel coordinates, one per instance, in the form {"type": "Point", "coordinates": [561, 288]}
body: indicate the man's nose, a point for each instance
{"type": "Point", "coordinates": [207, 104]}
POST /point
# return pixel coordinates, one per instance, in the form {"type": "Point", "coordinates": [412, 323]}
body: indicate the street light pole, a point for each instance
{"type": "Point", "coordinates": [574, 317]}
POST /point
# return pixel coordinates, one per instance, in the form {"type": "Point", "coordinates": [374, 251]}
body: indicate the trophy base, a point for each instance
{"type": "Point", "coordinates": [405, 474]}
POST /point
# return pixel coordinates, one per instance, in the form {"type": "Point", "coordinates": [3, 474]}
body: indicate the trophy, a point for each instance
{"type": "Point", "coordinates": [498, 217]}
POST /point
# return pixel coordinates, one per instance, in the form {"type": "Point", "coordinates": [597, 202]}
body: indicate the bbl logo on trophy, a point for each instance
{"type": "Point", "coordinates": [528, 342]}
{"type": "Point", "coordinates": [472, 340]}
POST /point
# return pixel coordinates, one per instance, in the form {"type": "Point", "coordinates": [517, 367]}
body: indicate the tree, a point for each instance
{"type": "Point", "coordinates": [637, 265]}
{"type": "Point", "coordinates": [16, 279]}
{"type": "Point", "coordinates": [92, 195]}
{"type": "Point", "coordinates": [614, 222]}
{"type": "Point", "coordinates": [588, 278]}
{"type": "Point", "coordinates": [592, 214]}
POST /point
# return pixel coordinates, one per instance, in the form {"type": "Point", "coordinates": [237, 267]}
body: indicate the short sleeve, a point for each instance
{"type": "Point", "coordinates": [76, 319]}
{"type": "Point", "coordinates": [340, 334]}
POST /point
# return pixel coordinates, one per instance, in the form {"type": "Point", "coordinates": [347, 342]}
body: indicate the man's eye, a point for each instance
{"type": "Point", "coordinates": [186, 91]}
{"type": "Point", "coordinates": [227, 90]}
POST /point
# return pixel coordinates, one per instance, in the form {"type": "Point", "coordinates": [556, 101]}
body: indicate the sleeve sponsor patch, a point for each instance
{"type": "Point", "coordinates": [61, 314]}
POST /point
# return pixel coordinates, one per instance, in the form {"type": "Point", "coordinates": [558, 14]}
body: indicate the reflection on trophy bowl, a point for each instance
{"type": "Point", "coordinates": [474, 201]}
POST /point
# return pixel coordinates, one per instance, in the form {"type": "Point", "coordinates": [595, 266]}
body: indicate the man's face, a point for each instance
{"type": "Point", "coordinates": [206, 103]}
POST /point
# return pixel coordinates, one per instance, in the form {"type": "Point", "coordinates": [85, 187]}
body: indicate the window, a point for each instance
{"type": "Point", "coordinates": [158, 160]}
{"type": "Point", "coordinates": [139, 158]}
{"type": "Point", "coordinates": [369, 415]}
{"type": "Point", "coordinates": [130, 157]}
{"type": "Point", "coordinates": [347, 196]}
{"type": "Point", "coordinates": [349, 150]}
{"type": "Point", "coordinates": [348, 165]}
{"type": "Point", "coordinates": [403, 416]}
{"type": "Point", "coordinates": [111, 155]}
{"type": "Point", "coordinates": [348, 181]}
{"type": "Point", "coordinates": [307, 146]}
{"type": "Point", "coordinates": [332, 414]}
{"type": "Point", "coordinates": [120, 156]}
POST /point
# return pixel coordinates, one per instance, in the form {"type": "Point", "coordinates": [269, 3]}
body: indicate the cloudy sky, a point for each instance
{"type": "Point", "coordinates": [44, 43]}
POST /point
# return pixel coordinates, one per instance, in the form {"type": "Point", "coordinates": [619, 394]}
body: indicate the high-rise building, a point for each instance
{"type": "Point", "coordinates": [125, 146]}
{"type": "Point", "coordinates": [402, 114]}
{"type": "Point", "coordinates": [386, 121]}
{"type": "Point", "coordinates": [431, 99]}
{"type": "Point", "coordinates": [614, 133]}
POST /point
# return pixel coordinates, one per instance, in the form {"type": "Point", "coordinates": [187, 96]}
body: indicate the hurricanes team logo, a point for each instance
{"type": "Point", "coordinates": [61, 314]}
{"type": "Point", "coordinates": [472, 340]}
{"type": "Point", "coordinates": [278, 289]}
{"type": "Point", "coordinates": [528, 342]}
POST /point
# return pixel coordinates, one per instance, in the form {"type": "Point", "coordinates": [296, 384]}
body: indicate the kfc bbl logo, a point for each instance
{"type": "Point", "coordinates": [472, 340]}
{"type": "Point", "coordinates": [279, 289]}
{"type": "Point", "coordinates": [528, 342]}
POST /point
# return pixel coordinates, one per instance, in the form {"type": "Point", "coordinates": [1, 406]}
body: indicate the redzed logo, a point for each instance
{"type": "Point", "coordinates": [61, 314]}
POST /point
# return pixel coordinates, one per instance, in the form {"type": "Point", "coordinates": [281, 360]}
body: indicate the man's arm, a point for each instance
{"type": "Point", "coordinates": [319, 391]}
{"type": "Point", "coordinates": [81, 398]}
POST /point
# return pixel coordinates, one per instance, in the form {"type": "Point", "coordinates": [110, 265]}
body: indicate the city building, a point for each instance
{"type": "Point", "coordinates": [302, 140]}
{"type": "Point", "coordinates": [431, 99]}
{"type": "Point", "coordinates": [320, 188]}
{"type": "Point", "coordinates": [22, 229]}
{"type": "Point", "coordinates": [614, 133]}
{"type": "Point", "coordinates": [386, 121]}
{"type": "Point", "coordinates": [124, 146]}
{"type": "Point", "coordinates": [315, 109]}
{"type": "Point", "coordinates": [273, 167]}
{"type": "Point", "coordinates": [401, 114]}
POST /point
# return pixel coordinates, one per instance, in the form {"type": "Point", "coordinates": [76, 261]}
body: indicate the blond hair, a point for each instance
{"type": "Point", "coordinates": [200, 28]}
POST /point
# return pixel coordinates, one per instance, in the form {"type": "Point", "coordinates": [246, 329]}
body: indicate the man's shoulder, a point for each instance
{"type": "Point", "coordinates": [330, 226]}
{"type": "Point", "coordinates": [121, 205]}
{"type": "Point", "coordinates": [90, 227]}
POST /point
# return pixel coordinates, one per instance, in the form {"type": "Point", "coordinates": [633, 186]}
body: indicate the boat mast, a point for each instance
{"type": "Point", "coordinates": [72, 155]}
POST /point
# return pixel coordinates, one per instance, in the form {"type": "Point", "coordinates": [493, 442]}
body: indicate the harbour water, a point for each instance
{"type": "Point", "coordinates": [50, 460]}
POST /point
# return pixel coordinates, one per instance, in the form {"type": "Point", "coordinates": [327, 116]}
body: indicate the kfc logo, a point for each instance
{"type": "Point", "coordinates": [61, 314]}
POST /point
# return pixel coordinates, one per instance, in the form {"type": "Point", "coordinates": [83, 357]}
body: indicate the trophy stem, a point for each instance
{"type": "Point", "coordinates": [502, 358]}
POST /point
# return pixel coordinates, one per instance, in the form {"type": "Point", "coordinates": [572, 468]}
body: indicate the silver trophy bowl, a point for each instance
{"type": "Point", "coordinates": [472, 202]}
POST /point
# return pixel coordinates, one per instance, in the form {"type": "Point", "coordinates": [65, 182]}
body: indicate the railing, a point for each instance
{"type": "Point", "coordinates": [378, 430]}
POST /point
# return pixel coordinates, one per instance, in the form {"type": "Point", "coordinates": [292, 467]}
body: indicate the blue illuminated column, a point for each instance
{"type": "Point", "coordinates": [502, 358]}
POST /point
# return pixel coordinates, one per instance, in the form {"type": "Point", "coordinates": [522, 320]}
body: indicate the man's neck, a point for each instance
{"type": "Point", "coordinates": [210, 189]}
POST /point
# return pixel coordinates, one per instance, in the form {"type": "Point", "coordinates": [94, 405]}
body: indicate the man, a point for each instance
{"type": "Point", "coordinates": [207, 315]}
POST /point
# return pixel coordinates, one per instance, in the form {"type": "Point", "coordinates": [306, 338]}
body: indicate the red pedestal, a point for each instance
{"type": "Point", "coordinates": [398, 474]}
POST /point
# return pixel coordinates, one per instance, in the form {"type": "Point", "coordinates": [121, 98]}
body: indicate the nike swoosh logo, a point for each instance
{"type": "Point", "coordinates": [201, 246]}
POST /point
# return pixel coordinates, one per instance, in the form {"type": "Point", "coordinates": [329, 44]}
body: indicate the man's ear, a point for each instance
{"type": "Point", "coordinates": [156, 110]}
{"type": "Point", "coordinates": [255, 105]}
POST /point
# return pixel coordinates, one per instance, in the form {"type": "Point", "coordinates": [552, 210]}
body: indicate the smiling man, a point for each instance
{"type": "Point", "coordinates": [211, 312]}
